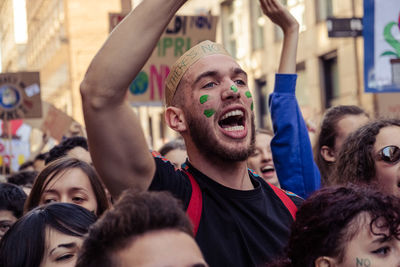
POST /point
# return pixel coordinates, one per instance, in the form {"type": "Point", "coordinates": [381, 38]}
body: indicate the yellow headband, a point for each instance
{"type": "Point", "coordinates": [195, 53]}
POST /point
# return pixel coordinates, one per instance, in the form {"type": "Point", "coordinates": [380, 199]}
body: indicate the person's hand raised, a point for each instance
{"type": "Point", "coordinates": [279, 15]}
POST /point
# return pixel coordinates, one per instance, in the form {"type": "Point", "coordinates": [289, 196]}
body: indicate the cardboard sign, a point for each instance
{"type": "Point", "coordinates": [20, 95]}
{"type": "Point", "coordinates": [182, 33]}
{"type": "Point", "coordinates": [388, 105]}
{"type": "Point", "coordinates": [381, 45]}
{"type": "Point", "coordinates": [56, 123]}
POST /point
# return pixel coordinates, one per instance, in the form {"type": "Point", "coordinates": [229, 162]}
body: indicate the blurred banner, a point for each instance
{"type": "Point", "coordinates": [182, 33]}
{"type": "Point", "coordinates": [20, 95]}
{"type": "Point", "coordinates": [14, 150]}
{"type": "Point", "coordinates": [381, 45]}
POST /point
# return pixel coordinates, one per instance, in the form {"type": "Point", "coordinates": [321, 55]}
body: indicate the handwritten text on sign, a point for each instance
{"type": "Point", "coordinates": [182, 33]}
{"type": "Point", "coordinates": [20, 95]}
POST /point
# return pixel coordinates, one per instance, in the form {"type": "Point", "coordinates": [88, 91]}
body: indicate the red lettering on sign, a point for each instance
{"type": "Point", "coordinates": [157, 78]}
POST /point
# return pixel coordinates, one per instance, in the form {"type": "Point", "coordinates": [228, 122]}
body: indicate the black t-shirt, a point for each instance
{"type": "Point", "coordinates": [237, 228]}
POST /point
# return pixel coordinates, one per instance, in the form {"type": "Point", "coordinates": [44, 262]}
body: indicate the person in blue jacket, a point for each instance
{"type": "Point", "coordinates": [291, 147]}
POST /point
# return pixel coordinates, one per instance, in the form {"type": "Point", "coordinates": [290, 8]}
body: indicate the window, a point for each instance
{"type": "Point", "coordinates": [297, 8]}
{"type": "Point", "coordinates": [228, 27]}
{"type": "Point", "coordinates": [257, 22]}
{"type": "Point", "coordinates": [151, 131]}
{"type": "Point", "coordinates": [324, 9]}
{"type": "Point", "coordinates": [302, 91]}
{"type": "Point", "coordinates": [261, 101]}
{"type": "Point", "coordinates": [162, 125]}
{"type": "Point", "coordinates": [330, 81]}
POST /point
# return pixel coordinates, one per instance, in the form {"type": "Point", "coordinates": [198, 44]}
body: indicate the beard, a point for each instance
{"type": "Point", "coordinates": [209, 146]}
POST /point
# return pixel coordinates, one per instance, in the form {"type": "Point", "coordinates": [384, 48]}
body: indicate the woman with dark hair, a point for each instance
{"type": "Point", "coordinates": [337, 123]}
{"type": "Point", "coordinates": [343, 227]}
{"type": "Point", "coordinates": [50, 235]}
{"type": "Point", "coordinates": [12, 200]}
{"type": "Point", "coordinates": [68, 180]}
{"type": "Point", "coordinates": [372, 155]}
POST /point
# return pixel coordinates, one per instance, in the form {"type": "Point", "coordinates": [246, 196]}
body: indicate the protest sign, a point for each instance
{"type": "Point", "coordinates": [20, 95]}
{"type": "Point", "coordinates": [56, 123]}
{"type": "Point", "coordinates": [182, 33]}
{"type": "Point", "coordinates": [382, 45]}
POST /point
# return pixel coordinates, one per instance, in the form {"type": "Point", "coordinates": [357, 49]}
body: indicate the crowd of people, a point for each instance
{"type": "Point", "coordinates": [224, 193]}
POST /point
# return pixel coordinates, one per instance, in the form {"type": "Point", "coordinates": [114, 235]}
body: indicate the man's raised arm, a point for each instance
{"type": "Point", "coordinates": [291, 146]}
{"type": "Point", "coordinates": [117, 143]}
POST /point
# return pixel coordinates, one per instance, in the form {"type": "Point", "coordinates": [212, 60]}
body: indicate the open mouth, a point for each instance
{"type": "Point", "coordinates": [232, 121]}
{"type": "Point", "coordinates": [268, 170]}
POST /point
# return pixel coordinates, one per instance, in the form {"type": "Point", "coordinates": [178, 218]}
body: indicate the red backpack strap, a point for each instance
{"type": "Point", "coordinates": [286, 200]}
{"type": "Point", "coordinates": [196, 203]}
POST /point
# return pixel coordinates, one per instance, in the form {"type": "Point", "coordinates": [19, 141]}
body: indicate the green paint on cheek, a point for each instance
{"type": "Point", "coordinates": [234, 88]}
{"type": "Point", "coordinates": [203, 99]}
{"type": "Point", "coordinates": [252, 106]}
{"type": "Point", "coordinates": [209, 112]}
{"type": "Point", "coordinates": [248, 94]}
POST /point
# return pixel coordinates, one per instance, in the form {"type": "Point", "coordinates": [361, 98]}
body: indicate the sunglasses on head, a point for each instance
{"type": "Point", "coordinates": [389, 154]}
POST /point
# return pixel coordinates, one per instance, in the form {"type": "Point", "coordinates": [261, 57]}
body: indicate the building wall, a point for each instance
{"type": "Point", "coordinates": [64, 35]}
{"type": "Point", "coordinates": [47, 51]}
{"type": "Point", "coordinates": [12, 53]}
{"type": "Point", "coordinates": [314, 46]}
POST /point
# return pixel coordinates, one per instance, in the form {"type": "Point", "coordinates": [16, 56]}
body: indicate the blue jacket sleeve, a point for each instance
{"type": "Point", "coordinates": [291, 146]}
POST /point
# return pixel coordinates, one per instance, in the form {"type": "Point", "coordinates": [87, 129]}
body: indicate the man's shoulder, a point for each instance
{"type": "Point", "coordinates": [297, 200]}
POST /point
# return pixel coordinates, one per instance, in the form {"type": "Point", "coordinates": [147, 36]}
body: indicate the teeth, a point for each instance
{"type": "Point", "coordinates": [232, 113]}
{"type": "Point", "coordinates": [235, 128]}
{"type": "Point", "coordinates": [270, 168]}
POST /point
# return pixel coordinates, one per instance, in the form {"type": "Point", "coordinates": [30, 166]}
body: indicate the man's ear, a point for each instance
{"type": "Point", "coordinates": [175, 119]}
{"type": "Point", "coordinates": [324, 261]}
{"type": "Point", "coordinates": [328, 154]}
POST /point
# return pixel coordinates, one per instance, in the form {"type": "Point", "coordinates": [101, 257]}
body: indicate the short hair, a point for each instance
{"type": "Point", "coordinates": [23, 178]}
{"type": "Point", "coordinates": [132, 216]}
{"type": "Point", "coordinates": [42, 156]}
{"type": "Point", "coordinates": [172, 145]}
{"type": "Point", "coordinates": [356, 160]}
{"type": "Point", "coordinates": [59, 166]}
{"type": "Point", "coordinates": [66, 145]}
{"type": "Point", "coordinates": [24, 244]}
{"type": "Point", "coordinates": [25, 165]}
{"type": "Point", "coordinates": [12, 198]}
{"type": "Point", "coordinates": [328, 134]}
{"type": "Point", "coordinates": [327, 221]}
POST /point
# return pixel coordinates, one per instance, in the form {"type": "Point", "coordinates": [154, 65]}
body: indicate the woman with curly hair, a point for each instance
{"type": "Point", "coordinates": [372, 155]}
{"type": "Point", "coordinates": [343, 227]}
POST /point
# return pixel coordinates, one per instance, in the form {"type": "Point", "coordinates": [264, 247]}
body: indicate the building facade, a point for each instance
{"type": "Point", "coordinates": [64, 35]}
{"type": "Point", "coordinates": [329, 69]}
{"type": "Point", "coordinates": [12, 47]}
